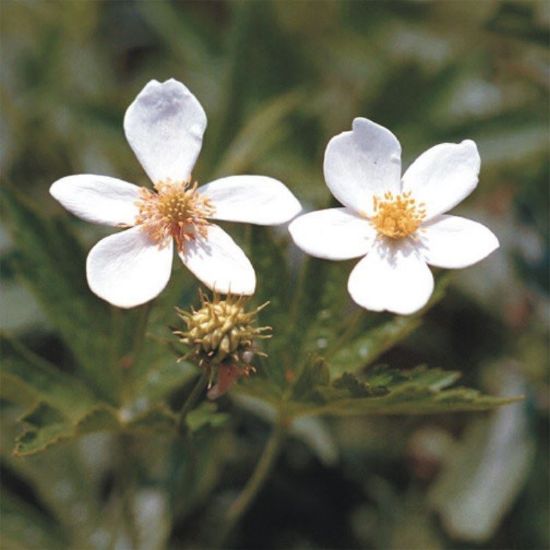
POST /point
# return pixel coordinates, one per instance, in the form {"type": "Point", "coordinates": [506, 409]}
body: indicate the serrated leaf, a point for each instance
{"type": "Point", "coordinates": [44, 381]}
{"type": "Point", "coordinates": [206, 414]}
{"type": "Point", "coordinates": [136, 417]}
{"type": "Point", "coordinates": [97, 420]}
{"type": "Point", "coordinates": [307, 308]}
{"type": "Point", "coordinates": [435, 379]}
{"type": "Point", "coordinates": [47, 427]}
{"type": "Point", "coordinates": [15, 391]}
{"type": "Point", "coordinates": [366, 348]}
{"type": "Point", "coordinates": [166, 376]}
{"type": "Point", "coordinates": [197, 471]}
{"type": "Point", "coordinates": [159, 418]}
{"type": "Point", "coordinates": [274, 287]}
{"type": "Point", "coordinates": [68, 489]}
{"type": "Point", "coordinates": [331, 312]}
{"type": "Point", "coordinates": [24, 527]}
{"type": "Point", "coordinates": [51, 263]}
{"type": "Point", "coordinates": [272, 271]}
{"type": "Point", "coordinates": [313, 375]}
{"type": "Point", "coordinates": [420, 391]}
{"type": "Point", "coordinates": [357, 388]}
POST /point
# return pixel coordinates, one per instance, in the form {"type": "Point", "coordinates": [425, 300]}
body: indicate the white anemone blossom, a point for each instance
{"type": "Point", "coordinates": [164, 127]}
{"type": "Point", "coordinates": [397, 224]}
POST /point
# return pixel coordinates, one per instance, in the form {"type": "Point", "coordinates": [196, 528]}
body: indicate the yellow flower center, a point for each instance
{"type": "Point", "coordinates": [174, 210]}
{"type": "Point", "coordinates": [397, 216]}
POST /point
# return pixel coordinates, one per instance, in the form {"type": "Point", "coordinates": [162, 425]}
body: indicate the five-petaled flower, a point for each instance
{"type": "Point", "coordinates": [164, 126]}
{"type": "Point", "coordinates": [396, 223]}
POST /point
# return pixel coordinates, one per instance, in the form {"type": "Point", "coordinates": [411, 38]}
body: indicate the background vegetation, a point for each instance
{"type": "Point", "coordinates": [277, 79]}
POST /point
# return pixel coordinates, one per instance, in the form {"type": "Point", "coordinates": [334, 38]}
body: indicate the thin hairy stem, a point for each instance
{"type": "Point", "coordinates": [349, 329]}
{"type": "Point", "coordinates": [191, 400]}
{"type": "Point", "coordinates": [256, 481]}
{"type": "Point", "coordinates": [139, 335]}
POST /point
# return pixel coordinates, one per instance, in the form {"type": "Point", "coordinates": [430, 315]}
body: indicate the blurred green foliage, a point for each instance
{"type": "Point", "coordinates": [277, 79]}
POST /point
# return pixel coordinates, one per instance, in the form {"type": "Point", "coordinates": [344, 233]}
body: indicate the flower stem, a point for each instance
{"type": "Point", "coordinates": [139, 335]}
{"type": "Point", "coordinates": [191, 400]}
{"type": "Point", "coordinates": [255, 482]}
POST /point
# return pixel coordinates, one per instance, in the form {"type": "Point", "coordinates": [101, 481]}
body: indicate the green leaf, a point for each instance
{"type": "Point", "coordinates": [70, 483]}
{"type": "Point", "coordinates": [261, 132]}
{"type": "Point", "coordinates": [51, 263]}
{"type": "Point", "coordinates": [357, 388]}
{"type": "Point", "coordinates": [233, 100]}
{"type": "Point", "coordinates": [273, 286]}
{"type": "Point", "coordinates": [305, 306]}
{"type": "Point", "coordinates": [158, 418]}
{"type": "Point", "coordinates": [388, 391]}
{"type": "Point", "coordinates": [165, 376]}
{"type": "Point", "coordinates": [44, 381]}
{"type": "Point", "coordinates": [256, 386]}
{"type": "Point", "coordinates": [366, 348]}
{"type": "Point", "coordinates": [68, 409]}
{"type": "Point", "coordinates": [206, 414]}
{"type": "Point", "coordinates": [313, 375]}
{"type": "Point", "coordinates": [97, 420]}
{"type": "Point", "coordinates": [181, 34]}
{"type": "Point", "coordinates": [15, 391]}
{"type": "Point", "coordinates": [24, 527]}
{"type": "Point", "coordinates": [46, 427]}
{"type": "Point", "coordinates": [197, 470]}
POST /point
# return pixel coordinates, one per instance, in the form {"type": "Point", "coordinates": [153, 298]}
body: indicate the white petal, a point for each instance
{"type": "Point", "coordinates": [333, 234]}
{"type": "Point", "coordinates": [362, 163]}
{"type": "Point", "coordinates": [220, 263]}
{"type": "Point", "coordinates": [251, 199]}
{"type": "Point", "coordinates": [454, 242]}
{"type": "Point", "coordinates": [164, 126]}
{"type": "Point", "coordinates": [128, 269]}
{"type": "Point", "coordinates": [443, 176]}
{"type": "Point", "coordinates": [98, 199]}
{"type": "Point", "coordinates": [392, 277]}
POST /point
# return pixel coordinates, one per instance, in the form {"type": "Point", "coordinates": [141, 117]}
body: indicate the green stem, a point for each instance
{"type": "Point", "coordinates": [191, 400]}
{"type": "Point", "coordinates": [347, 333]}
{"type": "Point", "coordinates": [255, 482]}
{"type": "Point", "coordinates": [132, 350]}
{"type": "Point", "coordinates": [139, 335]}
{"type": "Point", "coordinates": [126, 480]}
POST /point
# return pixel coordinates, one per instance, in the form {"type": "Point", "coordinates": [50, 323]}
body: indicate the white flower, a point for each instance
{"type": "Point", "coordinates": [164, 126]}
{"type": "Point", "coordinates": [397, 224]}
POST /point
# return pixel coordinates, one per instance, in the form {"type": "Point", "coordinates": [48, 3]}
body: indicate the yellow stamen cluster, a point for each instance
{"type": "Point", "coordinates": [173, 210]}
{"type": "Point", "coordinates": [221, 331]}
{"type": "Point", "coordinates": [397, 216]}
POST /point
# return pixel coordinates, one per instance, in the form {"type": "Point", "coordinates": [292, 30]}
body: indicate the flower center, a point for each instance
{"type": "Point", "coordinates": [174, 210]}
{"type": "Point", "coordinates": [397, 216]}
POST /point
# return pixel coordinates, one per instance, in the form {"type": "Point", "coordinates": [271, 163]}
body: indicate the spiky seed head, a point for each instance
{"type": "Point", "coordinates": [221, 331]}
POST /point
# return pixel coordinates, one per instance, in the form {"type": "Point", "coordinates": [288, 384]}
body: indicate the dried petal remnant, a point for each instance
{"type": "Point", "coordinates": [174, 210]}
{"type": "Point", "coordinates": [397, 216]}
